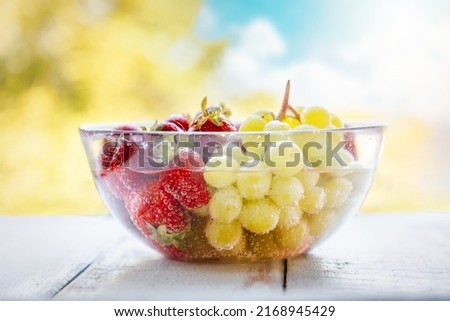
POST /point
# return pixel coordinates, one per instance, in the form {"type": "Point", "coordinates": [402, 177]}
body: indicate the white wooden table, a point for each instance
{"type": "Point", "coordinates": [382, 256]}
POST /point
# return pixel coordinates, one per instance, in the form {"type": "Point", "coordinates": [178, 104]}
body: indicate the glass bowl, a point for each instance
{"type": "Point", "coordinates": [232, 196]}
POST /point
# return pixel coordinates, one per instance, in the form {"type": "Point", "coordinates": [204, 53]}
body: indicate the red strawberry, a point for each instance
{"type": "Point", "coordinates": [113, 183]}
{"type": "Point", "coordinates": [186, 186]}
{"type": "Point", "coordinates": [188, 159]}
{"type": "Point", "coordinates": [165, 126]}
{"type": "Point", "coordinates": [350, 144]}
{"type": "Point", "coordinates": [117, 149]}
{"type": "Point", "coordinates": [170, 251]}
{"type": "Point", "coordinates": [132, 181]}
{"type": "Point", "coordinates": [179, 120]}
{"type": "Point", "coordinates": [184, 181]}
{"type": "Point", "coordinates": [115, 153]}
{"type": "Point", "coordinates": [153, 207]}
{"type": "Point", "coordinates": [212, 119]}
{"type": "Point", "coordinates": [126, 128]}
{"type": "Point", "coordinates": [123, 181]}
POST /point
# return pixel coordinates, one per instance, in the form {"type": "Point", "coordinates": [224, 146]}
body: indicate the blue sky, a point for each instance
{"type": "Point", "coordinates": [383, 55]}
{"type": "Point", "coordinates": [309, 25]}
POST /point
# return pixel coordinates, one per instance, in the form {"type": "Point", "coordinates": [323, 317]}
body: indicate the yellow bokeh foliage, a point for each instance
{"type": "Point", "coordinates": [65, 63]}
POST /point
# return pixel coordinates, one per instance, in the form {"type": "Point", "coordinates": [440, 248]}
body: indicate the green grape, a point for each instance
{"type": "Point", "coordinates": [238, 249]}
{"type": "Point", "coordinates": [337, 190]}
{"type": "Point", "coordinates": [285, 191]}
{"type": "Point", "coordinates": [253, 147]}
{"type": "Point", "coordinates": [314, 200]}
{"type": "Point", "coordinates": [336, 121]}
{"type": "Point", "coordinates": [254, 182]}
{"type": "Point", "coordinates": [315, 144]}
{"type": "Point", "coordinates": [253, 123]}
{"type": "Point", "coordinates": [223, 236]}
{"type": "Point", "coordinates": [225, 204]}
{"type": "Point", "coordinates": [339, 162]}
{"type": "Point", "coordinates": [221, 171]}
{"type": "Point", "coordinates": [308, 178]}
{"type": "Point", "coordinates": [291, 121]}
{"type": "Point", "coordinates": [293, 238]}
{"type": "Point", "coordinates": [266, 115]}
{"type": "Point", "coordinates": [285, 158]}
{"type": "Point", "coordinates": [316, 116]}
{"type": "Point", "coordinates": [277, 126]}
{"type": "Point", "coordinates": [310, 140]}
{"type": "Point", "coordinates": [289, 216]}
{"type": "Point", "coordinates": [319, 223]}
{"type": "Point", "coordinates": [237, 153]}
{"type": "Point", "coordinates": [259, 216]}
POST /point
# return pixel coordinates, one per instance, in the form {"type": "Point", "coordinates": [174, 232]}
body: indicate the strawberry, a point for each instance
{"type": "Point", "coordinates": [181, 121]}
{"type": "Point", "coordinates": [170, 251]}
{"type": "Point", "coordinates": [123, 181]}
{"type": "Point", "coordinates": [117, 149]}
{"type": "Point", "coordinates": [350, 144]}
{"type": "Point", "coordinates": [132, 181]}
{"type": "Point", "coordinates": [183, 181]}
{"type": "Point", "coordinates": [115, 153]}
{"type": "Point", "coordinates": [126, 128]}
{"type": "Point", "coordinates": [186, 186]}
{"type": "Point", "coordinates": [113, 183]}
{"type": "Point", "coordinates": [166, 126]}
{"type": "Point", "coordinates": [211, 119]}
{"type": "Point", "coordinates": [153, 208]}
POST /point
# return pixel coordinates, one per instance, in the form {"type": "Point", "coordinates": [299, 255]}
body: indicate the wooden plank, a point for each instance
{"type": "Point", "coordinates": [129, 270]}
{"type": "Point", "coordinates": [378, 257]}
{"type": "Point", "coordinates": [374, 257]}
{"type": "Point", "coordinates": [40, 255]}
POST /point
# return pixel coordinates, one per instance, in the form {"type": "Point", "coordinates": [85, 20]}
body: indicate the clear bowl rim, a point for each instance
{"type": "Point", "coordinates": [106, 128]}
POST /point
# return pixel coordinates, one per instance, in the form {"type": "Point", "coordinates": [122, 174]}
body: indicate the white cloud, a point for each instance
{"type": "Point", "coordinates": [408, 64]}
{"type": "Point", "coordinates": [206, 19]}
{"type": "Point", "coordinates": [401, 65]}
{"type": "Point", "coordinates": [246, 64]}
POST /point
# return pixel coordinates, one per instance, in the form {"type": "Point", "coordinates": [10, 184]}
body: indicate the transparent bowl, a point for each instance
{"type": "Point", "coordinates": [232, 196]}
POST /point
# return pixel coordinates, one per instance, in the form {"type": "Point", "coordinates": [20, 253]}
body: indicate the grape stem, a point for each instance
{"type": "Point", "coordinates": [285, 105]}
{"type": "Point", "coordinates": [293, 111]}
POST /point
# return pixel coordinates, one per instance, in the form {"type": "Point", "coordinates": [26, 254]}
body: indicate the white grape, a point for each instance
{"type": "Point", "coordinates": [221, 171]}
{"type": "Point", "coordinates": [308, 178]}
{"type": "Point", "coordinates": [285, 191]}
{"type": "Point", "coordinates": [254, 182]}
{"type": "Point", "coordinates": [253, 123]}
{"type": "Point", "coordinates": [289, 216]}
{"type": "Point", "coordinates": [293, 238]}
{"type": "Point", "coordinates": [314, 200]}
{"type": "Point", "coordinates": [223, 236]}
{"type": "Point", "coordinates": [337, 190]}
{"type": "Point", "coordinates": [316, 116]}
{"type": "Point", "coordinates": [259, 216]}
{"type": "Point", "coordinates": [285, 158]}
{"type": "Point", "coordinates": [225, 204]}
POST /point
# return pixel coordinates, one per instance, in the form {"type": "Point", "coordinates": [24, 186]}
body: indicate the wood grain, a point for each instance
{"type": "Point", "coordinates": [131, 271]}
{"type": "Point", "coordinates": [402, 256]}
{"type": "Point", "coordinates": [40, 255]}
{"type": "Point", "coordinates": [378, 257]}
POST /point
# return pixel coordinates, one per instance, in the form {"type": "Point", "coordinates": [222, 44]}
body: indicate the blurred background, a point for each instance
{"type": "Point", "coordinates": [65, 63]}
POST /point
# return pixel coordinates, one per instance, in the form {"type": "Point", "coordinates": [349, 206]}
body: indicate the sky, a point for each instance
{"type": "Point", "coordinates": [389, 56]}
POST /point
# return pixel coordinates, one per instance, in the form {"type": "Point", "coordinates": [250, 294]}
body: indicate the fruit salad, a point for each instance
{"type": "Point", "coordinates": [206, 188]}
